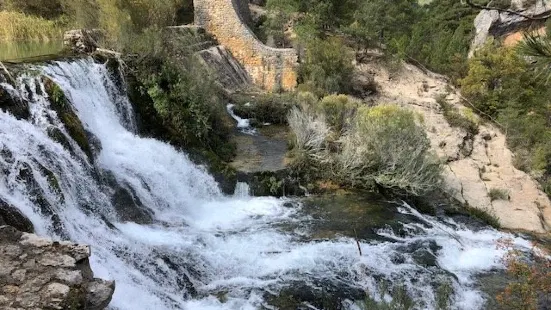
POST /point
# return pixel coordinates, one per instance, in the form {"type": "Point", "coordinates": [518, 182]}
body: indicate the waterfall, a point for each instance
{"type": "Point", "coordinates": [177, 242]}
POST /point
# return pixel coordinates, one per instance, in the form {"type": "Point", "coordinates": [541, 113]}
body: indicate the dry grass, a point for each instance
{"type": "Point", "coordinates": [17, 27]}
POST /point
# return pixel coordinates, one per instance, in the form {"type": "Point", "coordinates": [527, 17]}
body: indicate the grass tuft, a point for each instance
{"type": "Point", "coordinates": [498, 194]}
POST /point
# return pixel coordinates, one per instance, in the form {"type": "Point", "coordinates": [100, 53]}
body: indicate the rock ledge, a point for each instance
{"type": "Point", "coordinates": [38, 273]}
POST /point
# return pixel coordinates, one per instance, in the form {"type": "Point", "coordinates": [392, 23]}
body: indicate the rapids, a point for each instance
{"type": "Point", "coordinates": [201, 249]}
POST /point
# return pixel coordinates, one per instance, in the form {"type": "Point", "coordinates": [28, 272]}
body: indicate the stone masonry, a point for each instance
{"type": "Point", "coordinates": [272, 69]}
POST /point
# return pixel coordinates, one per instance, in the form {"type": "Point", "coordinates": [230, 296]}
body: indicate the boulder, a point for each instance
{"type": "Point", "coordinates": [10, 101]}
{"type": "Point", "coordinates": [39, 273]}
{"type": "Point", "coordinates": [9, 215]}
{"type": "Point", "coordinates": [82, 40]}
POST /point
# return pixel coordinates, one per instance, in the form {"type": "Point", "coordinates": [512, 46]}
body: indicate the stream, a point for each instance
{"type": "Point", "coordinates": [176, 242]}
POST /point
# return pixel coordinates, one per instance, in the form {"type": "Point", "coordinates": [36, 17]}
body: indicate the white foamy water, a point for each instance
{"type": "Point", "coordinates": [202, 245]}
{"type": "Point", "coordinates": [243, 124]}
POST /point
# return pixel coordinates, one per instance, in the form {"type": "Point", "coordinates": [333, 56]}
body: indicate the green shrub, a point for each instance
{"type": "Point", "coordinates": [387, 146]}
{"type": "Point", "coordinates": [383, 146]}
{"type": "Point", "coordinates": [455, 118]}
{"type": "Point", "coordinates": [264, 107]}
{"type": "Point", "coordinates": [188, 102]}
{"type": "Point", "coordinates": [339, 111]}
{"type": "Point", "coordinates": [486, 216]}
{"type": "Point", "coordinates": [327, 67]}
{"type": "Point", "coordinates": [503, 87]}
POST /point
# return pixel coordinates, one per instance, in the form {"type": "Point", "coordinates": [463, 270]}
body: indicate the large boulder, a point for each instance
{"type": "Point", "coordinates": [38, 273]}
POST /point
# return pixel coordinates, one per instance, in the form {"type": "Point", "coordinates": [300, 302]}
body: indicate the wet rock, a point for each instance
{"type": "Point", "coordinates": [324, 295]}
{"type": "Point", "coordinates": [11, 103]}
{"type": "Point", "coordinates": [130, 208]}
{"type": "Point", "coordinates": [99, 293]}
{"type": "Point", "coordinates": [9, 215]}
{"type": "Point", "coordinates": [65, 112]}
{"type": "Point", "coordinates": [273, 183]}
{"type": "Point", "coordinates": [425, 258]}
{"type": "Point", "coordinates": [38, 273]}
{"type": "Point", "coordinates": [38, 197]}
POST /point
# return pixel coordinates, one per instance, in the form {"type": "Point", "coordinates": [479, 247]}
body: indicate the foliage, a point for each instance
{"type": "Point", "coordinates": [310, 130]}
{"type": "Point", "coordinates": [119, 19]}
{"type": "Point", "coordinates": [436, 35]}
{"type": "Point", "coordinates": [531, 278]}
{"type": "Point", "coordinates": [496, 77]}
{"type": "Point", "coordinates": [22, 27]}
{"type": "Point", "coordinates": [264, 107]}
{"type": "Point", "coordinates": [441, 37]}
{"type": "Point", "coordinates": [339, 111]}
{"type": "Point", "coordinates": [502, 86]}
{"type": "Point", "coordinates": [486, 216]}
{"type": "Point", "coordinates": [383, 145]}
{"type": "Point", "coordinates": [188, 103]}
{"type": "Point", "coordinates": [378, 24]}
{"type": "Point", "coordinates": [455, 118]}
{"type": "Point", "coordinates": [327, 67]}
{"type": "Point", "coordinates": [388, 147]}
{"type": "Point", "coordinates": [538, 48]}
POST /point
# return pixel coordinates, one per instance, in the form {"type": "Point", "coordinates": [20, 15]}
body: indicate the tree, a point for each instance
{"type": "Point", "coordinates": [377, 22]}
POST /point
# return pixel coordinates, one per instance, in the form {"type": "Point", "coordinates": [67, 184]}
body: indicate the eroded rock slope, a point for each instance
{"type": "Point", "coordinates": [475, 165]}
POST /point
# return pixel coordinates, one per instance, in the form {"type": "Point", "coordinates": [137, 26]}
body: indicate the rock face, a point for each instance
{"type": "Point", "coordinates": [37, 273]}
{"type": "Point", "coordinates": [82, 40]}
{"type": "Point", "coordinates": [218, 60]}
{"type": "Point", "coordinates": [474, 164]}
{"type": "Point", "coordinates": [490, 23]}
{"type": "Point", "coordinates": [227, 70]}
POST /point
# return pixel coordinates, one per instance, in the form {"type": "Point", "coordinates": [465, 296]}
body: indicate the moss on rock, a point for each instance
{"type": "Point", "coordinates": [68, 117]}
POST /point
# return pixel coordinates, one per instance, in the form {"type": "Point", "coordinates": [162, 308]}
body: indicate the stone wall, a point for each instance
{"type": "Point", "coordinates": [270, 68]}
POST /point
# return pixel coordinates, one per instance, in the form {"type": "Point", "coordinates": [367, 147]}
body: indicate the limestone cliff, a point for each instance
{"type": "Point", "coordinates": [474, 164]}
{"type": "Point", "coordinates": [38, 273]}
{"type": "Point", "coordinates": [503, 24]}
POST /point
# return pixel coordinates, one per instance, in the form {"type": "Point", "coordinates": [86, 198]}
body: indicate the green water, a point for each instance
{"type": "Point", "coordinates": [27, 50]}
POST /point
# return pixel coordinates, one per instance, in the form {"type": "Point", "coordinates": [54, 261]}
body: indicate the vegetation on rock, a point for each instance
{"type": "Point", "coordinates": [68, 117]}
{"type": "Point", "coordinates": [502, 87]}
{"type": "Point", "coordinates": [364, 147]}
{"type": "Point", "coordinates": [530, 288]}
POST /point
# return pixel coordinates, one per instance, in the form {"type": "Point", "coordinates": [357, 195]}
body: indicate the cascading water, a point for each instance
{"type": "Point", "coordinates": [196, 248]}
